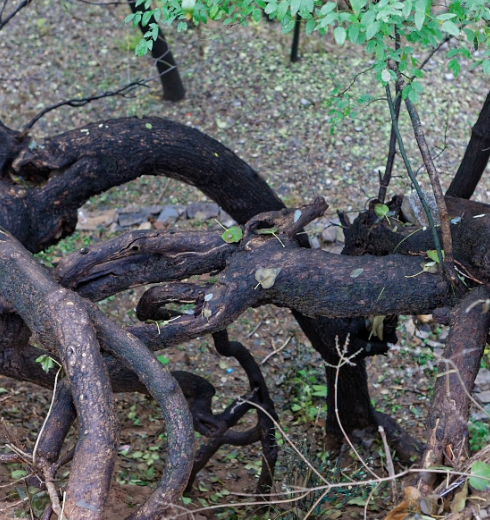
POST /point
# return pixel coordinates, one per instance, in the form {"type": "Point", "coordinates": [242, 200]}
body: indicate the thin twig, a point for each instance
{"type": "Point", "coordinates": [47, 416]}
{"type": "Point", "coordinates": [21, 6]}
{"type": "Point", "coordinates": [389, 462]}
{"type": "Point", "coordinates": [251, 333]}
{"type": "Point", "coordinates": [14, 504]}
{"type": "Point", "coordinates": [77, 102]}
{"type": "Point", "coordinates": [346, 360]}
{"type": "Point", "coordinates": [436, 188]}
{"type": "Point", "coordinates": [408, 166]}
{"type": "Point", "coordinates": [390, 161]}
{"type": "Point", "coordinates": [434, 50]}
{"type": "Point", "coordinates": [276, 351]}
{"type": "Point", "coordinates": [289, 441]}
{"type": "Point", "coordinates": [446, 262]}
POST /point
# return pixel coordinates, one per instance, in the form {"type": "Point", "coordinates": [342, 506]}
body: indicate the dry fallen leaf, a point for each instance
{"type": "Point", "coordinates": [267, 277]}
{"type": "Point", "coordinates": [410, 505]}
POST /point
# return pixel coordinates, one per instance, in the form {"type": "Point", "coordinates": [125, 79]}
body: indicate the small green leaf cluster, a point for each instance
{"type": "Point", "coordinates": [144, 17]}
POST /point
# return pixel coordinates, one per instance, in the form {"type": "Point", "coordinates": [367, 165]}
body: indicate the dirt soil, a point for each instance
{"type": "Point", "coordinates": [241, 90]}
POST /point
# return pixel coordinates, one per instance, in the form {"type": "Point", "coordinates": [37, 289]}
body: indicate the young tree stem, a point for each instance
{"type": "Point", "coordinates": [447, 240]}
{"type": "Point", "coordinates": [411, 174]}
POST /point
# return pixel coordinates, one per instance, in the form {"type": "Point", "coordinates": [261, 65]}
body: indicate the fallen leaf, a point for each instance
{"type": "Point", "coordinates": [267, 277]}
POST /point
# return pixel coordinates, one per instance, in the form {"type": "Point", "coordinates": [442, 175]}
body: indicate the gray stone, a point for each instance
{"type": "Point", "coordinates": [92, 220]}
{"type": "Point", "coordinates": [483, 379]}
{"type": "Point", "coordinates": [225, 219]}
{"type": "Point", "coordinates": [131, 208]}
{"type": "Point", "coordinates": [169, 215]}
{"type": "Point", "coordinates": [329, 234]}
{"type": "Point", "coordinates": [172, 212]}
{"type": "Point", "coordinates": [202, 210]}
{"type": "Point", "coordinates": [314, 242]}
{"type": "Point", "coordinates": [132, 219]}
{"type": "Point", "coordinates": [340, 238]}
{"type": "Point", "coordinates": [483, 397]}
{"type": "Point", "coordinates": [145, 226]}
{"type": "Point", "coordinates": [414, 212]}
{"type": "Point", "coordinates": [479, 417]}
{"type": "Point", "coordinates": [152, 210]}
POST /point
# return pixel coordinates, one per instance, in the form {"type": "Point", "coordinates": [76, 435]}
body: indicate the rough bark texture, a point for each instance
{"type": "Point", "coordinates": [60, 319]}
{"type": "Point", "coordinates": [448, 441]}
{"type": "Point", "coordinates": [66, 322]}
{"type": "Point", "coordinates": [475, 158]}
{"type": "Point", "coordinates": [330, 294]}
{"type": "Point", "coordinates": [87, 161]}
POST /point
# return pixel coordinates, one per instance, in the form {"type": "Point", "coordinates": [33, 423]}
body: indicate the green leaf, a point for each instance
{"type": "Point", "coordinates": [18, 474]}
{"type": "Point", "coordinates": [282, 9]}
{"type": "Point", "coordinates": [417, 86]}
{"type": "Point", "coordinates": [385, 75]}
{"type": "Point", "coordinates": [357, 5]}
{"type": "Point", "coordinates": [141, 48]}
{"type": "Point", "coordinates": [266, 231]}
{"type": "Point", "coordinates": [340, 35]}
{"type": "Point", "coordinates": [372, 29]}
{"type": "Point", "coordinates": [381, 210]}
{"type": "Point", "coordinates": [146, 18]}
{"type": "Point", "coordinates": [288, 24]}
{"type": "Point", "coordinates": [486, 66]}
{"type": "Point", "coordinates": [310, 26]}
{"type": "Point", "coordinates": [353, 32]}
{"type": "Point", "coordinates": [46, 362]}
{"type": "Point", "coordinates": [432, 254]}
{"type": "Point", "coordinates": [450, 28]}
{"type": "Point", "coordinates": [329, 6]}
{"type": "Point", "coordinates": [164, 360]}
{"type": "Point", "coordinates": [256, 15]}
{"type": "Point", "coordinates": [407, 9]}
{"type": "Point", "coordinates": [480, 469]}
{"type": "Point", "coordinates": [319, 390]}
{"type": "Point", "coordinates": [271, 8]}
{"type": "Point", "coordinates": [413, 96]}
{"type": "Point", "coordinates": [234, 234]}
{"type": "Point", "coordinates": [445, 16]}
{"type": "Point", "coordinates": [356, 272]}
{"type": "Point", "coordinates": [455, 67]}
{"type": "Point", "coordinates": [419, 17]}
{"type": "Point", "coordinates": [357, 501]}
{"type": "Point", "coordinates": [295, 5]}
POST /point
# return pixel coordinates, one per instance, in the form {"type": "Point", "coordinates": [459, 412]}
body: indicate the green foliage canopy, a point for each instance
{"type": "Point", "coordinates": [390, 30]}
{"type": "Point", "coordinates": [363, 22]}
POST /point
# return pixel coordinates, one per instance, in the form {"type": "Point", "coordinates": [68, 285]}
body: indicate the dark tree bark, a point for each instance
{"type": "Point", "coordinates": [371, 236]}
{"type": "Point", "coordinates": [88, 161]}
{"type": "Point", "coordinates": [173, 88]}
{"type": "Point", "coordinates": [81, 164]}
{"type": "Point", "coordinates": [295, 43]}
{"type": "Point", "coordinates": [85, 162]}
{"type": "Point", "coordinates": [475, 158]}
{"type": "Point", "coordinates": [73, 330]}
{"type": "Point", "coordinates": [448, 440]}
{"type": "Point", "coordinates": [329, 294]}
